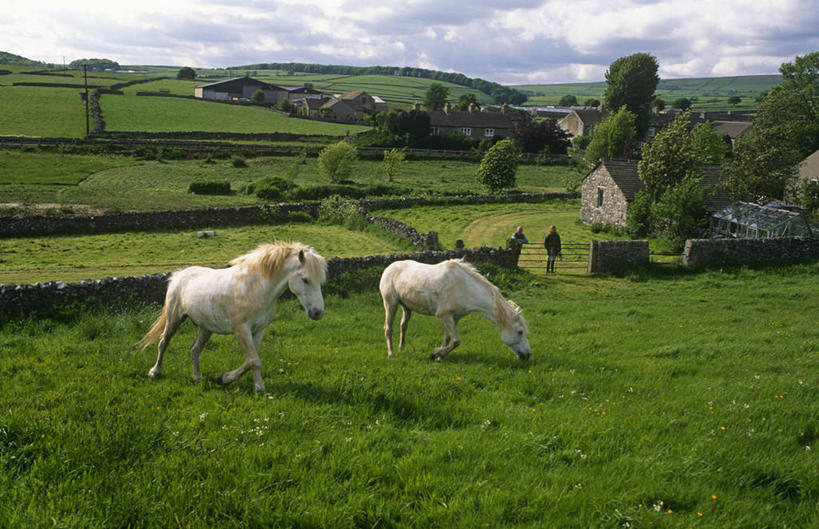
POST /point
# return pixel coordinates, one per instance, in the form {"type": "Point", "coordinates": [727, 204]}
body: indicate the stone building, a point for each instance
{"type": "Point", "coordinates": [610, 187]}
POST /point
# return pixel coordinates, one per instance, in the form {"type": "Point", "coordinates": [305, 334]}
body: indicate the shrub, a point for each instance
{"type": "Point", "coordinates": [341, 210]}
{"type": "Point", "coordinates": [336, 161]}
{"type": "Point", "coordinates": [211, 187]}
{"type": "Point", "coordinates": [269, 188]}
{"type": "Point", "coordinates": [239, 163]}
{"type": "Point", "coordinates": [581, 142]}
{"type": "Point", "coordinates": [499, 166]}
{"type": "Point", "coordinates": [638, 217]}
{"type": "Point", "coordinates": [393, 159]}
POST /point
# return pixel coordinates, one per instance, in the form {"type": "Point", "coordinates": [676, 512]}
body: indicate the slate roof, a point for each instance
{"type": "Point", "coordinates": [624, 174]}
{"type": "Point", "coordinates": [235, 82]}
{"type": "Point", "coordinates": [459, 118]}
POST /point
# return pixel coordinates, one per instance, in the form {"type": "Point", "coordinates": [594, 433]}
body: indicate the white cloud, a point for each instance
{"type": "Point", "coordinates": [510, 42]}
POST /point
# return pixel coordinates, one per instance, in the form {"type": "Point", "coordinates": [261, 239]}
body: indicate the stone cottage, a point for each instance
{"type": "Point", "coordinates": [610, 187]}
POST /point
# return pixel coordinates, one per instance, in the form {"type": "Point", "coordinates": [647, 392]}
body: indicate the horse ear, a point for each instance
{"type": "Point", "coordinates": [301, 256]}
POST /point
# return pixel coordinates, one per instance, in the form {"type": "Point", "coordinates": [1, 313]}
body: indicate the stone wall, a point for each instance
{"type": "Point", "coordinates": [19, 300]}
{"type": "Point", "coordinates": [615, 206]}
{"type": "Point", "coordinates": [616, 256]}
{"type": "Point", "coordinates": [717, 252]}
{"type": "Point", "coordinates": [428, 241]}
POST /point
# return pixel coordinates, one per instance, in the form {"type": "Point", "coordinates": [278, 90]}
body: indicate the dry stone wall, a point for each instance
{"type": "Point", "coordinates": [701, 253]}
{"type": "Point", "coordinates": [615, 256]}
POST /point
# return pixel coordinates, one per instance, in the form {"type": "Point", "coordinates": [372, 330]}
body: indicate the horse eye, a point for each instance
{"type": "Point", "coordinates": [520, 332]}
{"type": "Point", "coordinates": [306, 281]}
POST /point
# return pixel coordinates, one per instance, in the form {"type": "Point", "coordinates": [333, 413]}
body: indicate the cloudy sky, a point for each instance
{"type": "Point", "coordinates": [506, 41]}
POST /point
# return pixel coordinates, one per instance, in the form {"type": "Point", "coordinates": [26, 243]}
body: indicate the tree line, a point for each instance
{"type": "Point", "coordinates": [500, 94]}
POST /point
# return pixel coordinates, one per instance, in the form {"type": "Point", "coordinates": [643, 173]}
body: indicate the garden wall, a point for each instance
{"type": "Point", "coordinates": [19, 300]}
{"type": "Point", "coordinates": [615, 256]}
{"type": "Point", "coordinates": [38, 225]}
{"type": "Point", "coordinates": [703, 253]}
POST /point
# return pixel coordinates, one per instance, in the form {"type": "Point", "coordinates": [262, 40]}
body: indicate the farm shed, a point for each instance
{"type": "Point", "coordinates": [743, 220]}
{"type": "Point", "coordinates": [610, 187]}
{"type": "Point", "coordinates": [238, 88]}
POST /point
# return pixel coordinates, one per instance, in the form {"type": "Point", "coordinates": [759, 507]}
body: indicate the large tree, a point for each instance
{"type": "Point", "coordinates": [630, 82]}
{"type": "Point", "coordinates": [786, 131]}
{"type": "Point", "coordinates": [542, 136]}
{"type": "Point", "coordinates": [612, 137]}
{"type": "Point", "coordinates": [499, 166]}
{"type": "Point", "coordinates": [669, 157]}
{"type": "Point", "coordinates": [436, 96]}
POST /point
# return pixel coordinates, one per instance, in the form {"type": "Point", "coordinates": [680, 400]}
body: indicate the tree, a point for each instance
{"type": "Point", "coordinates": [734, 100]}
{"type": "Point", "coordinates": [786, 131]}
{"type": "Point", "coordinates": [659, 104]}
{"type": "Point", "coordinates": [630, 82]}
{"type": "Point", "coordinates": [591, 102]}
{"type": "Point", "coordinates": [499, 166]}
{"type": "Point", "coordinates": [465, 100]}
{"type": "Point", "coordinates": [186, 73]}
{"type": "Point", "coordinates": [680, 212]}
{"type": "Point", "coordinates": [708, 145]}
{"type": "Point", "coordinates": [393, 159]}
{"type": "Point", "coordinates": [436, 96]}
{"type": "Point", "coordinates": [258, 97]}
{"type": "Point", "coordinates": [612, 137]}
{"type": "Point", "coordinates": [568, 101]}
{"type": "Point", "coordinates": [542, 136]}
{"type": "Point", "coordinates": [336, 161]}
{"type": "Point", "coordinates": [669, 157]}
{"type": "Point", "coordinates": [683, 103]}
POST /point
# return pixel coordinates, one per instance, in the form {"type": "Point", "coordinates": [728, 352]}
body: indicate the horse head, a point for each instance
{"type": "Point", "coordinates": [305, 281]}
{"type": "Point", "coordinates": [515, 331]}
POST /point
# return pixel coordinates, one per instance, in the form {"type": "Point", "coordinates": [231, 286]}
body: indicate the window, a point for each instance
{"type": "Point", "coordinates": [488, 132]}
{"type": "Point", "coordinates": [436, 131]}
{"type": "Point", "coordinates": [601, 192]}
{"type": "Point", "coordinates": [467, 130]}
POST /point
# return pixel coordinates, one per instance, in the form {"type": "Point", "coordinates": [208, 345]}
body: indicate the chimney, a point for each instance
{"type": "Point", "coordinates": [416, 106]}
{"type": "Point", "coordinates": [504, 108]}
{"type": "Point", "coordinates": [447, 108]}
{"type": "Point", "coordinates": [471, 108]}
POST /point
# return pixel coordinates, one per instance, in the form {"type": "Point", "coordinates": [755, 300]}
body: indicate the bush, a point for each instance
{"type": "Point", "coordinates": [336, 161]}
{"type": "Point", "coordinates": [239, 163]}
{"type": "Point", "coordinates": [638, 217]}
{"type": "Point", "coordinates": [581, 142]}
{"type": "Point", "coordinates": [499, 166]}
{"type": "Point", "coordinates": [209, 188]}
{"type": "Point", "coordinates": [269, 188]}
{"type": "Point", "coordinates": [342, 211]}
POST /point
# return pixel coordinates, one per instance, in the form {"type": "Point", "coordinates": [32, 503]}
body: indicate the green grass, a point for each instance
{"type": "Point", "coordinates": [130, 113]}
{"type": "Point", "coordinates": [19, 167]}
{"type": "Point", "coordinates": [78, 257]}
{"type": "Point", "coordinates": [674, 402]}
{"type": "Point", "coordinates": [127, 184]}
{"type": "Point", "coordinates": [54, 112]}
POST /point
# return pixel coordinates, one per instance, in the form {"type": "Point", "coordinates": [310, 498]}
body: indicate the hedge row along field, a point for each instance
{"type": "Point", "coordinates": [675, 401]}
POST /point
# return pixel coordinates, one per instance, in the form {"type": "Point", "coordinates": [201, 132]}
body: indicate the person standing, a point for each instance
{"type": "Point", "coordinates": [519, 236]}
{"type": "Point", "coordinates": [553, 249]}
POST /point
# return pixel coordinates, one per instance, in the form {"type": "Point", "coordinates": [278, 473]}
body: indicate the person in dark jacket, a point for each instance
{"type": "Point", "coordinates": [520, 236]}
{"type": "Point", "coordinates": [553, 250]}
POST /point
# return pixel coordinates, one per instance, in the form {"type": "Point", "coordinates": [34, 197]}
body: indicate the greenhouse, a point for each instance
{"type": "Point", "coordinates": [742, 220]}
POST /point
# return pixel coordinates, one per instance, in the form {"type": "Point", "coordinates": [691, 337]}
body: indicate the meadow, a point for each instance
{"type": "Point", "coordinates": [116, 183]}
{"type": "Point", "coordinates": [669, 401]}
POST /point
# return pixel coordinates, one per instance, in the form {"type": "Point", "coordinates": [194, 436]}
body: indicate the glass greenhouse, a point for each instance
{"type": "Point", "coordinates": [743, 220]}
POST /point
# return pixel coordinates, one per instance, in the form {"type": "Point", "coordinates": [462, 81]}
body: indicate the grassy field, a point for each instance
{"type": "Point", "coordinates": [127, 184]}
{"type": "Point", "coordinates": [28, 111]}
{"type": "Point", "coordinates": [671, 402]}
{"type": "Point", "coordinates": [78, 257]}
{"type": "Point", "coordinates": [710, 93]}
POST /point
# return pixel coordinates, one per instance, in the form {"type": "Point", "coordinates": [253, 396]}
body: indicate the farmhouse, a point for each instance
{"type": "Point", "coordinates": [473, 123]}
{"type": "Point", "coordinates": [808, 172]}
{"type": "Point", "coordinates": [352, 106]}
{"type": "Point", "coordinates": [580, 122]}
{"type": "Point", "coordinates": [237, 89]}
{"type": "Point", "coordinates": [610, 187]}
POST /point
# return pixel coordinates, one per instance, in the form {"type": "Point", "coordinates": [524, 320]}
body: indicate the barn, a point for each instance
{"type": "Point", "coordinates": [237, 89]}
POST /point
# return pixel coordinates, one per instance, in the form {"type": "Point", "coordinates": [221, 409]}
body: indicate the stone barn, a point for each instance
{"type": "Point", "coordinates": [611, 185]}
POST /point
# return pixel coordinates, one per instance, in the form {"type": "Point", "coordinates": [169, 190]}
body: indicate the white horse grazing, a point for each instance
{"type": "Point", "coordinates": [449, 290]}
{"type": "Point", "coordinates": [240, 300]}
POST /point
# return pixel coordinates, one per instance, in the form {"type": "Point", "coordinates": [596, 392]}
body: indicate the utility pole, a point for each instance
{"type": "Point", "coordinates": [85, 77]}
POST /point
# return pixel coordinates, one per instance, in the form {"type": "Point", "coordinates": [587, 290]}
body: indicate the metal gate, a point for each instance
{"type": "Point", "coordinates": [575, 258]}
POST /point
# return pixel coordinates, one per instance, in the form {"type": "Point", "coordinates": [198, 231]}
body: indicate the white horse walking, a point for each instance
{"type": "Point", "coordinates": [449, 290]}
{"type": "Point", "coordinates": [240, 300]}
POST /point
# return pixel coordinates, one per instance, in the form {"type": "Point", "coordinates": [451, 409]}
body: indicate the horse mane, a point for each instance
{"type": "Point", "coordinates": [505, 310]}
{"type": "Point", "coordinates": [267, 259]}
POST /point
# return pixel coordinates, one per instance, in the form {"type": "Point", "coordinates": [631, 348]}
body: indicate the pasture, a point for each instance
{"type": "Point", "coordinates": [672, 401]}
{"type": "Point", "coordinates": [128, 184]}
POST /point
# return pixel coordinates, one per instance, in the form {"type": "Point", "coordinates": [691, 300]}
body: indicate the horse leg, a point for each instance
{"type": "Point", "coordinates": [389, 317]}
{"type": "Point", "coordinates": [201, 339]}
{"type": "Point", "coordinates": [172, 324]}
{"type": "Point", "coordinates": [405, 318]}
{"type": "Point", "coordinates": [251, 360]}
{"type": "Point", "coordinates": [451, 337]}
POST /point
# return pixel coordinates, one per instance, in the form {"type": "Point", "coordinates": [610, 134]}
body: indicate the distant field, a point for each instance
{"type": "Point", "coordinates": [710, 93]}
{"type": "Point", "coordinates": [28, 111]}
{"type": "Point", "coordinates": [17, 167]}
{"type": "Point", "coordinates": [158, 114]}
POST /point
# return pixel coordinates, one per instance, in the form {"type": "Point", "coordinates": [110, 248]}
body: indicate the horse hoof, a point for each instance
{"type": "Point", "coordinates": [154, 373]}
{"type": "Point", "coordinates": [221, 380]}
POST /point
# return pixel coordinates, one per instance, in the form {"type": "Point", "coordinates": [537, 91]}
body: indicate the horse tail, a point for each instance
{"type": "Point", "coordinates": [153, 335]}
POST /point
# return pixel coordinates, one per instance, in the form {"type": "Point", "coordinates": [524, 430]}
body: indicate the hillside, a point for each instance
{"type": "Point", "coordinates": [705, 92]}
{"type": "Point", "coordinates": [10, 58]}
